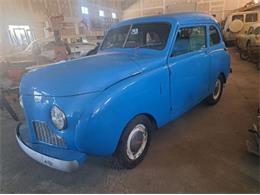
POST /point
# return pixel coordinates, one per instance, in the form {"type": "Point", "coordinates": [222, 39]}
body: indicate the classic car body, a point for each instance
{"type": "Point", "coordinates": [98, 98]}
{"type": "Point", "coordinates": [238, 23]}
{"type": "Point", "coordinates": [252, 35]}
{"type": "Point", "coordinates": [250, 40]}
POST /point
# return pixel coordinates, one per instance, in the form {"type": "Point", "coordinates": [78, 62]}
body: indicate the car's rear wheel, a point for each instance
{"type": "Point", "coordinates": [244, 54]}
{"type": "Point", "coordinates": [237, 44]}
{"type": "Point", "coordinates": [215, 96]}
{"type": "Point", "coordinates": [258, 65]}
{"type": "Point", "coordinates": [249, 49]}
{"type": "Point", "coordinates": [134, 143]}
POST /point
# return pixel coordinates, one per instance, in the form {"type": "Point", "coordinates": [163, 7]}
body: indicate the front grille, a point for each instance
{"type": "Point", "coordinates": [44, 134]}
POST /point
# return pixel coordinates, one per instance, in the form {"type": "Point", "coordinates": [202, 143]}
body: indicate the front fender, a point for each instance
{"type": "Point", "coordinates": [148, 93]}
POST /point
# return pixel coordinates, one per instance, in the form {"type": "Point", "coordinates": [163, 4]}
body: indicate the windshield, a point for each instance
{"type": "Point", "coordinates": [148, 35]}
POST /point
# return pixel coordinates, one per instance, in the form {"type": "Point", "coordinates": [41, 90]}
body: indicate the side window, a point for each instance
{"type": "Point", "coordinates": [251, 17]}
{"type": "Point", "coordinates": [214, 36]}
{"type": "Point", "coordinates": [189, 39]}
{"type": "Point", "coordinates": [238, 17]}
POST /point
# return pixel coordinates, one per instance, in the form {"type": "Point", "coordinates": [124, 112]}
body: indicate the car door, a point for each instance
{"type": "Point", "coordinates": [189, 69]}
{"type": "Point", "coordinates": [247, 37]}
{"type": "Point", "coordinates": [218, 54]}
{"type": "Point", "coordinates": [251, 36]}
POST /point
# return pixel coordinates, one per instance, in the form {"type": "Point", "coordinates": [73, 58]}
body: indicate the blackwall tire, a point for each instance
{"type": "Point", "coordinates": [215, 96]}
{"type": "Point", "coordinates": [134, 143]}
{"type": "Point", "coordinates": [258, 66]}
{"type": "Point", "coordinates": [237, 44]}
{"type": "Point", "coordinates": [244, 55]}
{"type": "Point", "coordinates": [229, 43]}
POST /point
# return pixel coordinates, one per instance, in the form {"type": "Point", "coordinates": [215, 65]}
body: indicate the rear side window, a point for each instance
{"type": "Point", "coordinates": [251, 17]}
{"type": "Point", "coordinates": [189, 39]}
{"type": "Point", "coordinates": [238, 17]}
{"type": "Point", "coordinates": [214, 36]}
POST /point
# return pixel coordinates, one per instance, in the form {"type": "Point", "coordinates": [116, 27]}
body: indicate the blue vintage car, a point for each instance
{"type": "Point", "coordinates": [148, 71]}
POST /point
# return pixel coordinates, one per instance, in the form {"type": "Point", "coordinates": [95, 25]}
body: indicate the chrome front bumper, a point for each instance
{"type": "Point", "coordinates": [59, 164]}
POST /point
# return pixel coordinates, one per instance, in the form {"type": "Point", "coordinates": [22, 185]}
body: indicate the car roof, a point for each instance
{"type": "Point", "coordinates": [245, 12]}
{"type": "Point", "coordinates": [180, 18]}
{"type": "Point", "coordinates": [44, 40]}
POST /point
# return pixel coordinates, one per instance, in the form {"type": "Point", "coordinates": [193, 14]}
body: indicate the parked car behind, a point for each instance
{"type": "Point", "coordinates": [252, 36]}
{"type": "Point", "coordinates": [238, 23]}
{"type": "Point", "coordinates": [249, 43]}
{"type": "Point", "coordinates": [41, 49]}
{"type": "Point", "coordinates": [38, 52]}
{"type": "Point", "coordinates": [147, 72]}
{"type": "Point", "coordinates": [81, 49]}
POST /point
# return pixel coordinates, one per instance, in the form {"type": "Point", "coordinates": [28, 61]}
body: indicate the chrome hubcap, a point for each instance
{"type": "Point", "coordinates": [217, 89]}
{"type": "Point", "coordinates": [136, 142]}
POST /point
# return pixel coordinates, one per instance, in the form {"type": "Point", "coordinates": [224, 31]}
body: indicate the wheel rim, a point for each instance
{"type": "Point", "coordinates": [244, 55]}
{"type": "Point", "coordinates": [217, 89]}
{"type": "Point", "coordinates": [136, 142]}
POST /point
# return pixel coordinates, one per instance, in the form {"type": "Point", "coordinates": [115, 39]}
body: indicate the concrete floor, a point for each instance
{"type": "Point", "coordinates": [202, 152]}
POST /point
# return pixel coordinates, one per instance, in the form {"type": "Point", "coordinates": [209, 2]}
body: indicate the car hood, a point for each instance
{"type": "Point", "coordinates": [85, 75]}
{"type": "Point", "coordinates": [18, 56]}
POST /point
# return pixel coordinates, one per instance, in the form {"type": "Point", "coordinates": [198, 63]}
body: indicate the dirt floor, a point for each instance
{"type": "Point", "coordinates": [204, 151]}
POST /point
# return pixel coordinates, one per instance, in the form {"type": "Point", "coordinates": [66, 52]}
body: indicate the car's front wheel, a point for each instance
{"type": "Point", "coordinates": [134, 143]}
{"type": "Point", "coordinates": [215, 96]}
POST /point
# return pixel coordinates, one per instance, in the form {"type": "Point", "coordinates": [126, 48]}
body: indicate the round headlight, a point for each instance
{"type": "Point", "coordinates": [58, 118]}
